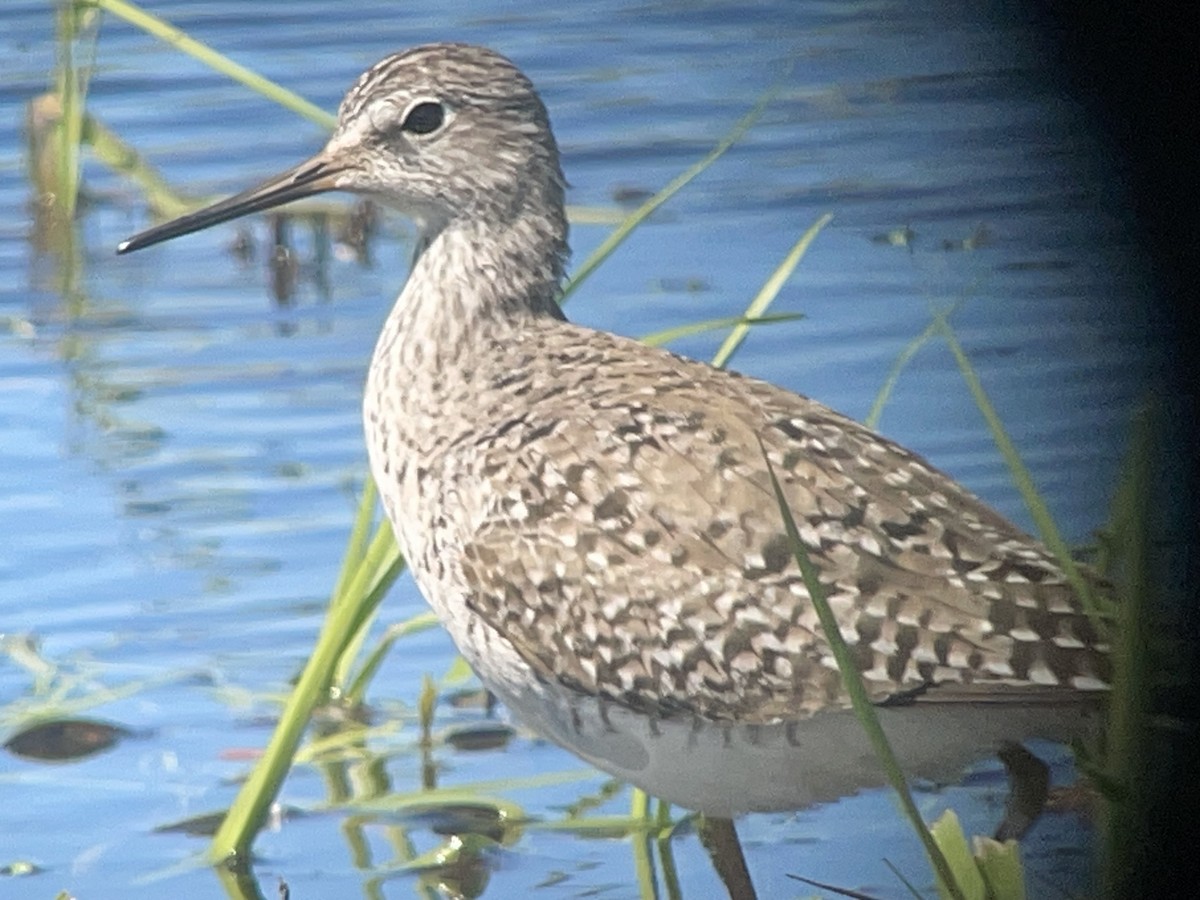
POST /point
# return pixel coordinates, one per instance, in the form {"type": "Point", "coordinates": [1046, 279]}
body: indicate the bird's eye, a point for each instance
{"type": "Point", "coordinates": [424, 118]}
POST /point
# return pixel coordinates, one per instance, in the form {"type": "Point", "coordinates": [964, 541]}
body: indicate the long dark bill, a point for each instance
{"type": "Point", "coordinates": [314, 176]}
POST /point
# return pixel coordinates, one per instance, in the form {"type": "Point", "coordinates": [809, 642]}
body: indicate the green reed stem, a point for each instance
{"type": "Point", "coordinates": [165, 31]}
{"type": "Point", "coordinates": [643, 212]}
{"type": "Point", "coordinates": [1038, 510]}
{"type": "Point", "coordinates": [769, 291]}
{"type": "Point", "coordinates": [864, 710]}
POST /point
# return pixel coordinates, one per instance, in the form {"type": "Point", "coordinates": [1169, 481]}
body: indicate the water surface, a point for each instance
{"type": "Point", "coordinates": [179, 454]}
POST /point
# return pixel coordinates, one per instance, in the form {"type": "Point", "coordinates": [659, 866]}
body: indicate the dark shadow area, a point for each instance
{"type": "Point", "coordinates": [1135, 67]}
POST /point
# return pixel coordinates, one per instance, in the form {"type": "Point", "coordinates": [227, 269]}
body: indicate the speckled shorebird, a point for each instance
{"type": "Point", "coordinates": [593, 519]}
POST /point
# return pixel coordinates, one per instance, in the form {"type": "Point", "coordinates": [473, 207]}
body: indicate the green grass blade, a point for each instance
{"type": "Point", "coordinates": [639, 215]}
{"type": "Point", "coordinates": [363, 589]}
{"type": "Point", "coordinates": [363, 564]}
{"type": "Point", "coordinates": [643, 866]}
{"type": "Point", "coordinates": [908, 885]}
{"type": "Point", "coordinates": [71, 88]}
{"type": "Point", "coordinates": [864, 710]}
{"type": "Point", "coordinates": [356, 692]}
{"type": "Point", "coordinates": [665, 830]}
{"type": "Point", "coordinates": [380, 568]}
{"type": "Point", "coordinates": [1001, 867]}
{"type": "Point", "coordinates": [356, 546]}
{"type": "Point", "coordinates": [1040, 513]}
{"type": "Point", "coordinates": [769, 291]}
{"type": "Point", "coordinates": [165, 31]}
{"type": "Point", "coordinates": [76, 25]}
{"type": "Point", "coordinates": [109, 149]}
{"type": "Point", "coordinates": [249, 809]}
{"type": "Point", "coordinates": [658, 338]}
{"type": "Point", "coordinates": [643, 858]}
{"type": "Point", "coordinates": [948, 834]}
{"type": "Point", "coordinates": [906, 356]}
{"type": "Point", "coordinates": [1129, 755]}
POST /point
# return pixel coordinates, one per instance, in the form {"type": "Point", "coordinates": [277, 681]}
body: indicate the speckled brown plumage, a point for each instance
{"type": "Point", "coordinates": [607, 508]}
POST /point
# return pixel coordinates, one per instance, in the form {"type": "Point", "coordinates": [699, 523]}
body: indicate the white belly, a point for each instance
{"type": "Point", "coordinates": [725, 770]}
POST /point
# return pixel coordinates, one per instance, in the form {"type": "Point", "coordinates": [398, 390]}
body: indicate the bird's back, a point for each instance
{"type": "Point", "coordinates": [609, 511]}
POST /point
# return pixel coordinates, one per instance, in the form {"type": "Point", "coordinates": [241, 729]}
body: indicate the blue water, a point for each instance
{"type": "Point", "coordinates": [179, 456]}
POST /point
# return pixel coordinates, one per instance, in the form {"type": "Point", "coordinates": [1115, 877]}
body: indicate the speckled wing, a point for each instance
{"type": "Point", "coordinates": [631, 547]}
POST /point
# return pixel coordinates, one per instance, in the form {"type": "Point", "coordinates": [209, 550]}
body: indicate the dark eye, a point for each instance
{"type": "Point", "coordinates": [424, 118]}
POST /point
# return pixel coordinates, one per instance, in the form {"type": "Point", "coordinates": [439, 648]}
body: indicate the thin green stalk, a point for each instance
{"type": "Point", "coordinates": [70, 90]}
{"type": "Point", "coordinates": [643, 867]}
{"type": "Point", "coordinates": [71, 78]}
{"type": "Point", "coordinates": [755, 311]}
{"type": "Point", "coordinates": [363, 557]}
{"type": "Point", "coordinates": [639, 215]}
{"type": "Point", "coordinates": [851, 679]}
{"type": "Point", "coordinates": [1040, 513]}
{"type": "Point", "coordinates": [380, 567]}
{"type": "Point", "coordinates": [356, 545]}
{"type": "Point", "coordinates": [908, 885]}
{"type": "Point", "coordinates": [1128, 755]}
{"type": "Point", "coordinates": [360, 594]}
{"type": "Point", "coordinates": [905, 357]}
{"type": "Point", "coordinates": [356, 691]}
{"type": "Point", "coordinates": [767, 293]}
{"type": "Point", "coordinates": [664, 831]}
{"type": "Point", "coordinates": [666, 335]}
{"type": "Point", "coordinates": [949, 836]}
{"type": "Point", "coordinates": [643, 859]}
{"type": "Point", "coordinates": [124, 159]}
{"type": "Point", "coordinates": [249, 810]}
{"type": "Point", "coordinates": [165, 31]}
